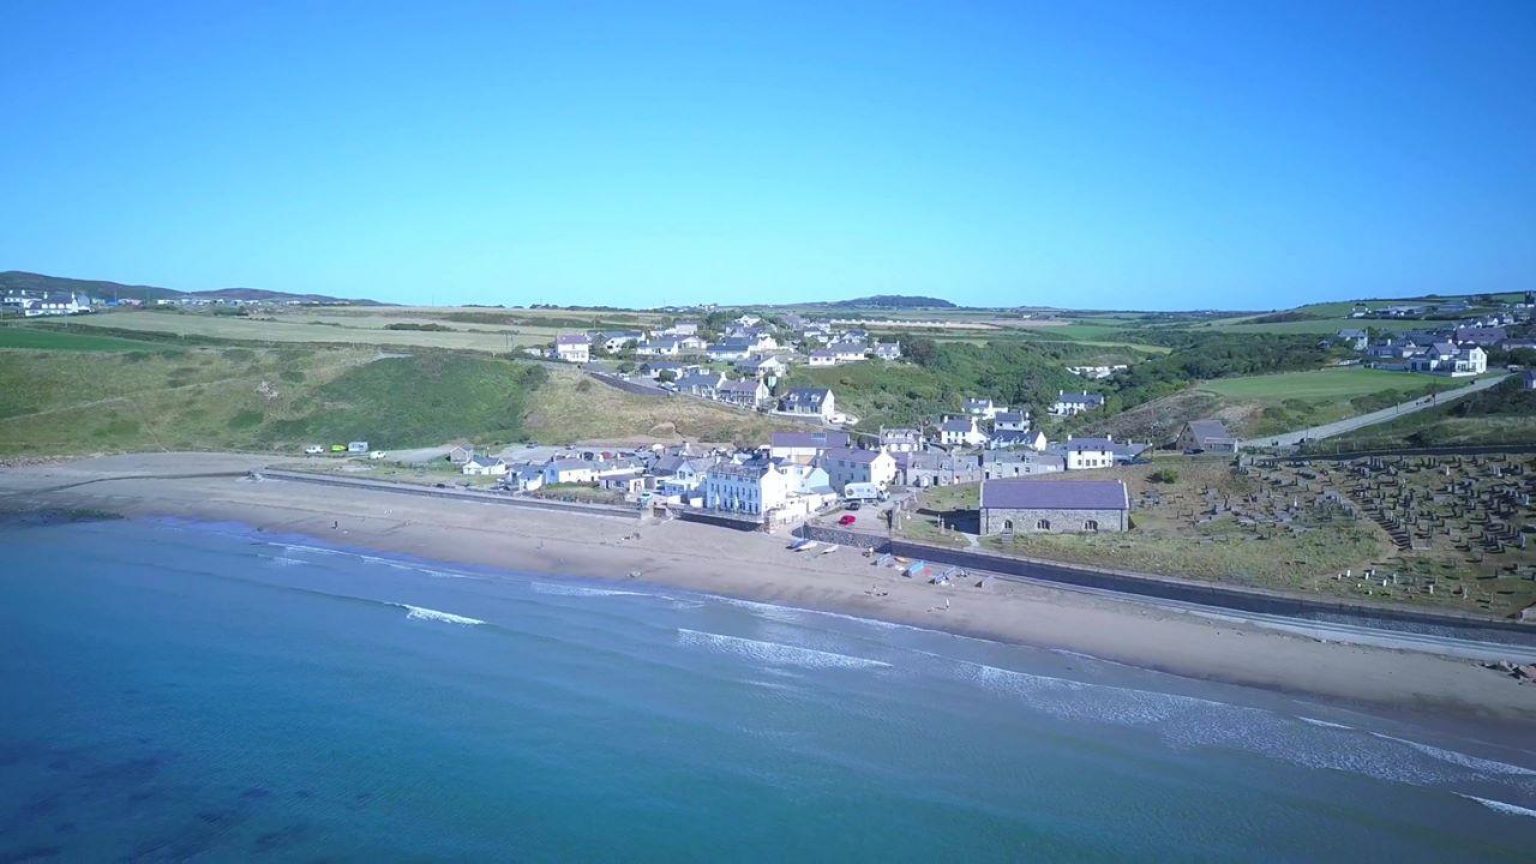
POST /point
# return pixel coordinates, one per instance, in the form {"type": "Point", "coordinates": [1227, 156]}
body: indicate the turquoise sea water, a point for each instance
{"type": "Point", "coordinates": [177, 691]}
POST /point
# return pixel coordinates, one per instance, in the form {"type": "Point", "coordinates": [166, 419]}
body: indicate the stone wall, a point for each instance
{"type": "Point", "coordinates": [1025, 521]}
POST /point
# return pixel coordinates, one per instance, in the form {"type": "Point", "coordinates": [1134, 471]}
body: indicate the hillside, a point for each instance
{"type": "Point", "coordinates": [106, 290]}
{"type": "Point", "coordinates": [889, 301]}
{"type": "Point", "coordinates": [1505, 414]}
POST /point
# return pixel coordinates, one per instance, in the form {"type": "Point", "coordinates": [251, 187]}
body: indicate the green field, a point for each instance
{"type": "Point", "coordinates": [18, 337]}
{"type": "Point", "coordinates": [1320, 326]}
{"type": "Point", "coordinates": [1340, 383]}
{"type": "Point", "coordinates": [1505, 414]}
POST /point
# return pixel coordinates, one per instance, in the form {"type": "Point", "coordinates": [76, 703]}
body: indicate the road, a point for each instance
{"type": "Point", "coordinates": [1350, 424]}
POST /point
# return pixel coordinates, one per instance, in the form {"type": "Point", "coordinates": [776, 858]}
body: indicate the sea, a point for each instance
{"type": "Point", "coordinates": [187, 691]}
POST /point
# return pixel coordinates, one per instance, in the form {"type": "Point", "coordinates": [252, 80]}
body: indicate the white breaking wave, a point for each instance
{"type": "Point", "coordinates": [1462, 759]}
{"type": "Point", "coordinates": [284, 561]}
{"type": "Point", "coordinates": [1500, 806]}
{"type": "Point", "coordinates": [775, 652]}
{"type": "Point", "coordinates": [583, 591]}
{"type": "Point", "coordinates": [421, 613]}
{"type": "Point", "coordinates": [1324, 723]}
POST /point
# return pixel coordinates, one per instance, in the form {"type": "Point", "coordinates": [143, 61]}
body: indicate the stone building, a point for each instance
{"type": "Point", "coordinates": [1032, 506]}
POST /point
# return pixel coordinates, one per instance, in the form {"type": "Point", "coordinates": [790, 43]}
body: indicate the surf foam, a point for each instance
{"type": "Point", "coordinates": [421, 613]}
{"type": "Point", "coordinates": [776, 653]}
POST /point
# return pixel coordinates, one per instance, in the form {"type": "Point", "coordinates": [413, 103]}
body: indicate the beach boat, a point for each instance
{"type": "Point", "coordinates": [900, 560]}
{"type": "Point", "coordinates": [918, 570]}
{"type": "Point", "coordinates": [829, 550]}
{"type": "Point", "coordinates": [884, 560]}
{"type": "Point", "coordinates": [803, 546]}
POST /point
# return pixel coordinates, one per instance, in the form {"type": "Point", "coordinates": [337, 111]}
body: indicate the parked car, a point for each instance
{"type": "Point", "coordinates": [377, 454]}
{"type": "Point", "coordinates": [848, 519]}
{"type": "Point", "coordinates": [853, 505]}
{"type": "Point", "coordinates": [314, 450]}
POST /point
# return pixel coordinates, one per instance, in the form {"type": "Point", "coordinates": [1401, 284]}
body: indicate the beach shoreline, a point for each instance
{"type": "Point", "coordinates": [1456, 696]}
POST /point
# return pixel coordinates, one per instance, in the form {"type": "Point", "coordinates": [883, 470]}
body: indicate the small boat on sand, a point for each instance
{"type": "Point", "coordinates": [802, 545]}
{"type": "Point", "coordinates": [829, 550]}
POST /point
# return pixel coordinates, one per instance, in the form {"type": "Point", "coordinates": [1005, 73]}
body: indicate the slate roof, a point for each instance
{"type": "Point", "coordinates": [1209, 430]}
{"type": "Point", "coordinates": [821, 440]}
{"type": "Point", "coordinates": [863, 457]}
{"type": "Point", "coordinates": [1029, 493]}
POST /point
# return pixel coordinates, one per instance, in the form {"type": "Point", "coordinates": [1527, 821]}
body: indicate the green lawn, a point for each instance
{"type": "Point", "coordinates": [18, 337]}
{"type": "Point", "coordinates": [1322, 326]}
{"type": "Point", "coordinates": [1341, 383]}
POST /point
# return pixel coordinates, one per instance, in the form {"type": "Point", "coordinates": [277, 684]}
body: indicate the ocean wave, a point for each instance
{"type": "Point", "coordinates": [1187, 721]}
{"type": "Point", "coordinates": [558, 589]}
{"type": "Point", "coordinates": [285, 561]}
{"type": "Point", "coordinates": [1500, 806]}
{"type": "Point", "coordinates": [1323, 723]}
{"type": "Point", "coordinates": [421, 613]}
{"type": "Point", "coordinates": [1489, 765]}
{"type": "Point", "coordinates": [776, 652]}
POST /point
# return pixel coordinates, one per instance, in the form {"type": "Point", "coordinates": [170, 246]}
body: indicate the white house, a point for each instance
{"type": "Point", "coordinates": [704, 384]}
{"type": "Point", "coordinates": [569, 471]}
{"type": "Point", "coordinates": [615, 341]}
{"type": "Point", "coordinates": [1073, 404]}
{"type": "Point", "coordinates": [984, 409]}
{"type": "Point", "coordinates": [573, 348]}
{"type": "Point", "coordinates": [1445, 358]}
{"type": "Point", "coordinates": [901, 440]}
{"type": "Point", "coordinates": [1010, 421]}
{"type": "Point", "coordinates": [844, 465]}
{"type": "Point", "coordinates": [961, 432]}
{"type": "Point", "coordinates": [804, 446]}
{"type": "Point", "coordinates": [752, 488]}
{"type": "Point", "coordinates": [887, 350]}
{"type": "Point", "coordinates": [748, 393]}
{"type": "Point", "coordinates": [818, 401]}
{"type": "Point", "coordinates": [847, 352]}
{"type": "Point", "coordinates": [483, 466]}
{"type": "Point", "coordinates": [823, 357]}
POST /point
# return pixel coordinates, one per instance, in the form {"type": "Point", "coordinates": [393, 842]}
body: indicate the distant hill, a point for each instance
{"type": "Point", "coordinates": [891, 301]}
{"type": "Point", "coordinates": [22, 280]}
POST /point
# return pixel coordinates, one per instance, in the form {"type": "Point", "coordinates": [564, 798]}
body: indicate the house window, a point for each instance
{"type": "Point", "coordinates": [1007, 526]}
{"type": "Point", "coordinates": [1043, 525]}
{"type": "Point", "coordinates": [1091, 525]}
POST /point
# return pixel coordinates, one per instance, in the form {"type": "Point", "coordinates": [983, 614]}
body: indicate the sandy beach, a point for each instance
{"type": "Point", "coordinates": [758, 567]}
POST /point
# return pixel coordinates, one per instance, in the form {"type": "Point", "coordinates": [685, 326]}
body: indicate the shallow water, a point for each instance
{"type": "Point", "coordinates": [197, 691]}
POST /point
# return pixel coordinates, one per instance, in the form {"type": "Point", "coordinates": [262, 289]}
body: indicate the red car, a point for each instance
{"type": "Point", "coordinates": [848, 519]}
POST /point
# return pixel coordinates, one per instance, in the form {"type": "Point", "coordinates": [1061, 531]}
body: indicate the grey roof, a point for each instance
{"type": "Point", "coordinates": [1209, 430]}
{"type": "Point", "coordinates": [569, 464]}
{"type": "Point", "coordinates": [807, 395]}
{"type": "Point", "coordinates": [1349, 333]}
{"type": "Point", "coordinates": [1027, 492]}
{"type": "Point", "coordinates": [957, 425]}
{"type": "Point", "coordinates": [1011, 417]}
{"type": "Point", "coordinates": [852, 455]}
{"type": "Point", "coordinates": [821, 440]}
{"type": "Point", "coordinates": [482, 461]}
{"type": "Point", "coordinates": [572, 339]}
{"type": "Point", "coordinates": [749, 388]}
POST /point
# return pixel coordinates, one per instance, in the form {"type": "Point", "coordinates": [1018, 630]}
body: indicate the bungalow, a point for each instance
{"type": "Point", "coordinates": [900, 440]}
{"type": "Point", "coordinates": [1026, 505]}
{"type": "Point", "coordinates": [730, 349]}
{"type": "Point", "coordinates": [748, 393]}
{"type": "Point", "coordinates": [483, 466]}
{"type": "Point", "coordinates": [847, 352]}
{"type": "Point", "coordinates": [569, 471]}
{"type": "Point", "coordinates": [1097, 373]}
{"type": "Point", "coordinates": [762, 367]}
{"type": "Point", "coordinates": [961, 432]}
{"type": "Point", "coordinates": [805, 445]}
{"type": "Point", "coordinates": [761, 342]}
{"type": "Point", "coordinates": [887, 350]}
{"type": "Point", "coordinates": [573, 348]}
{"type": "Point", "coordinates": [846, 465]}
{"type": "Point", "coordinates": [823, 357]}
{"type": "Point", "coordinates": [1073, 404]}
{"type": "Point", "coordinates": [460, 453]}
{"type": "Point", "coordinates": [1207, 436]}
{"type": "Point", "coordinates": [655, 368]}
{"type": "Point", "coordinates": [527, 478]}
{"type": "Point", "coordinates": [817, 401]}
{"type": "Point", "coordinates": [670, 346]}
{"type": "Point", "coordinates": [682, 328]}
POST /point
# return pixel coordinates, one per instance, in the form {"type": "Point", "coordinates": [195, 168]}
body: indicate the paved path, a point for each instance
{"type": "Point", "coordinates": [1350, 424]}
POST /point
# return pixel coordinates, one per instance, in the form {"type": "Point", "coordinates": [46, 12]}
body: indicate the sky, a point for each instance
{"type": "Point", "coordinates": [1138, 154]}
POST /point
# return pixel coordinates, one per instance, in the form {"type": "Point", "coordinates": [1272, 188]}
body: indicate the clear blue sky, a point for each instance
{"type": "Point", "coordinates": [1122, 154]}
